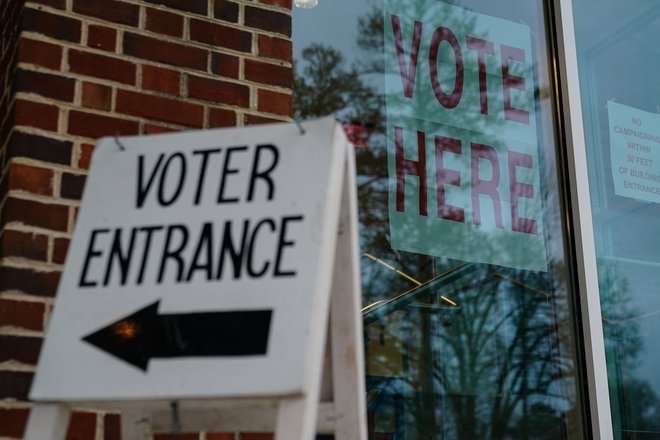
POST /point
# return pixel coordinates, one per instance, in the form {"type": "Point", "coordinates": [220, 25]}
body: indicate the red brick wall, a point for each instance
{"type": "Point", "coordinates": [9, 32]}
{"type": "Point", "coordinates": [75, 70]}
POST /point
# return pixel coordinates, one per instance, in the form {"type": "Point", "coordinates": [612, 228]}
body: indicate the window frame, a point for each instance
{"type": "Point", "coordinates": [570, 117]}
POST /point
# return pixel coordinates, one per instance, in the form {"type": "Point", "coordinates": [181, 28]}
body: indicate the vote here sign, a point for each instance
{"type": "Point", "coordinates": [195, 265]}
{"type": "Point", "coordinates": [461, 135]}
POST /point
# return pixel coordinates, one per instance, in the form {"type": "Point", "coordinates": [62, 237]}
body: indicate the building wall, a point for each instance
{"type": "Point", "coordinates": [75, 70]}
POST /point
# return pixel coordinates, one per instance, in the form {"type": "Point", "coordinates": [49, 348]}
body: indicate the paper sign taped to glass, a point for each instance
{"type": "Point", "coordinates": [462, 141]}
{"type": "Point", "coordinates": [635, 152]}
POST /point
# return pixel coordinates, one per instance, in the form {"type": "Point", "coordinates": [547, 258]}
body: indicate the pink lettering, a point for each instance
{"type": "Point", "coordinates": [447, 176]}
{"type": "Point", "coordinates": [407, 74]}
{"type": "Point", "coordinates": [510, 81]}
{"type": "Point", "coordinates": [517, 190]}
{"type": "Point", "coordinates": [482, 47]}
{"type": "Point", "coordinates": [447, 100]}
{"type": "Point", "coordinates": [486, 187]}
{"type": "Point", "coordinates": [412, 168]}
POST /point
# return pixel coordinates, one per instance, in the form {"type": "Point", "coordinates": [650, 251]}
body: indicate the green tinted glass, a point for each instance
{"type": "Point", "coordinates": [618, 67]}
{"type": "Point", "coordinates": [467, 291]}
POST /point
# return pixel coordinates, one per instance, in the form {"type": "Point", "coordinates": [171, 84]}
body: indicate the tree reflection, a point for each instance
{"type": "Point", "coordinates": [326, 86]}
{"type": "Point", "coordinates": [454, 350]}
{"type": "Point", "coordinates": [635, 404]}
{"type": "Point", "coordinates": [489, 367]}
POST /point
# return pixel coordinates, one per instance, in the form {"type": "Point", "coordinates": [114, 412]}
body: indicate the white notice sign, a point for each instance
{"type": "Point", "coordinates": [195, 266]}
{"type": "Point", "coordinates": [635, 152]}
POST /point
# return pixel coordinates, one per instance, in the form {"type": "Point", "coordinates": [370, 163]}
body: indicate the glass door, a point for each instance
{"type": "Point", "coordinates": [618, 67]}
{"type": "Point", "coordinates": [469, 301]}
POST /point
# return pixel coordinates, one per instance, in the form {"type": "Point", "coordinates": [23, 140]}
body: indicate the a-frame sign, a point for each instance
{"type": "Point", "coordinates": [205, 272]}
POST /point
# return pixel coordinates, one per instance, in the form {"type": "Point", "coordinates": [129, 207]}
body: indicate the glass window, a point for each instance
{"type": "Point", "coordinates": [618, 66]}
{"type": "Point", "coordinates": [469, 313]}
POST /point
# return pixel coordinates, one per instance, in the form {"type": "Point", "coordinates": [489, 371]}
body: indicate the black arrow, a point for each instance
{"type": "Point", "coordinates": [145, 335]}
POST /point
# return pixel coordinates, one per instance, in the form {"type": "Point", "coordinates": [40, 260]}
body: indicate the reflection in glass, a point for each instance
{"type": "Point", "coordinates": [618, 67]}
{"type": "Point", "coordinates": [455, 349]}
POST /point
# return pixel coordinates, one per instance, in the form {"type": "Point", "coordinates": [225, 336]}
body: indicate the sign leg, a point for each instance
{"type": "Point", "coordinates": [296, 418]}
{"type": "Point", "coordinates": [136, 425]}
{"type": "Point", "coordinates": [48, 421]}
{"type": "Point", "coordinates": [346, 321]}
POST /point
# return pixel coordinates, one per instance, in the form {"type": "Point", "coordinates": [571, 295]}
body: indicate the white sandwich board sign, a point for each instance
{"type": "Point", "coordinates": [202, 268]}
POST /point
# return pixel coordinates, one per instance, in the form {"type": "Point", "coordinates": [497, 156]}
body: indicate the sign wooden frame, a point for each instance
{"type": "Point", "coordinates": [333, 401]}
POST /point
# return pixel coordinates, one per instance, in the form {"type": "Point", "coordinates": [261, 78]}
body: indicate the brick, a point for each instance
{"type": "Point", "coordinates": [29, 281]}
{"type": "Point", "coordinates": [195, 6]}
{"type": "Point", "coordinates": [42, 215]}
{"type": "Point", "coordinates": [101, 37]}
{"type": "Point", "coordinates": [15, 384]}
{"type": "Point", "coordinates": [13, 422]}
{"type": "Point", "coordinates": [158, 129]}
{"type": "Point", "coordinates": [109, 10]}
{"type": "Point", "coordinates": [220, 36]}
{"type": "Point", "coordinates": [265, 73]}
{"type": "Point", "coordinates": [225, 65]}
{"type": "Point", "coordinates": [256, 120]}
{"type": "Point", "coordinates": [58, 4]}
{"type": "Point", "coordinates": [82, 426]}
{"type": "Point", "coordinates": [24, 245]}
{"type": "Point", "coordinates": [275, 102]}
{"type": "Point", "coordinates": [281, 3]}
{"type": "Point", "coordinates": [219, 117]}
{"type": "Point", "coordinates": [161, 80]}
{"type": "Point", "coordinates": [38, 147]}
{"type": "Point", "coordinates": [256, 436]}
{"type": "Point", "coordinates": [36, 114]}
{"type": "Point", "coordinates": [52, 25]}
{"type": "Point", "coordinates": [4, 186]}
{"type": "Point", "coordinates": [96, 96]}
{"type": "Point", "coordinates": [86, 151]}
{"type": "Point", "coordinates": [22, 349]}
{"type": "Point", "coordinates": [45, 84]}
{"type": "Point", "coordinates": [101, 66]}
{"type": "Point", "coordinates": [60, 249]}
{"type": "Point", "coordinates": [111, 427]}
{"type": "Point", "coordinates": [72, 186]}
{"type": "Point", "coordinates": [182, 436]}
{"type": "Point", "coordinates": [39, 53]}
{"type": "Point", "coordinates": [225, 10]}
{"type": "Point", "coordinates": [95, 126]}
{"type": "Point", "coordinates": [35, 180]}
{"type": "Point", "coordinates": [27, 315]}
{"type": "Point", "coordinates": [268, 20]}
{"type": "Point", "coordinates": [164, 22]}
{"type": "Point", "coordinates": [160, 109]}
{"type": "Point", "coordinates": [276, 48]}
{"type": "Point", "coordinates": [218, 91]}
{"type": "Point", "coordinates": [165, 52]}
